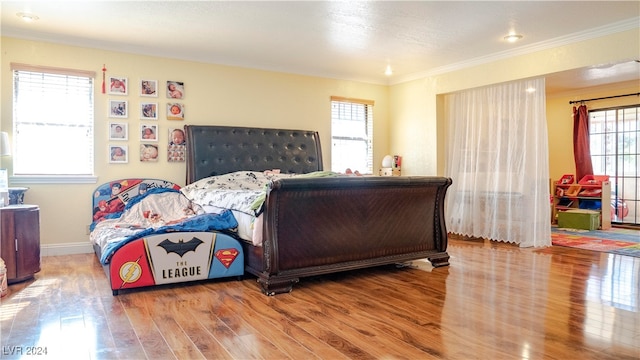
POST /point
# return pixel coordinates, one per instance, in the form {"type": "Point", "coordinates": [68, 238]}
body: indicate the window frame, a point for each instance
{"type": "Point", "coordinates": [54, 178]}
{"type": "Point", "coordinates": [368, 131]}
{"type": "Point", "coordinates": [612, 158]}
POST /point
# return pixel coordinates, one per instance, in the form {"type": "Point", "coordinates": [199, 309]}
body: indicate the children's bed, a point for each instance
{"type": "Point", "coordinates": [317, 225]}
{"type": "Point", "coordinates": [146, 233]}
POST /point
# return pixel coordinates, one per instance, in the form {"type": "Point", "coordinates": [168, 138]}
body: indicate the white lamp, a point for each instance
{"type": "Point", "coordinates": [5, 149]}
{"type": "Point", "coordinates": [387, 161]}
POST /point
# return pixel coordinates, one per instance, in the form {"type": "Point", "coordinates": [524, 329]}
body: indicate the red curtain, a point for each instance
{"type": "Point", "coordinates": [581, 151]}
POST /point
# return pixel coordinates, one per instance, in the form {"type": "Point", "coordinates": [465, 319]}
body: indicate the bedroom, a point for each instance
{"type": "Point", "coordinates": [219, 93]}
{"type": "Point", "coordinates": [405, 113]}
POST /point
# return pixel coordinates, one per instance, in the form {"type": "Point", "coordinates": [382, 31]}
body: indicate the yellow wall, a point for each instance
{"type": "Point", "coordinates": [413, 133]}
{"type": "Point", "coordinates": [214, 94]}
{"type": "Point", "coordinates": [415, 104]}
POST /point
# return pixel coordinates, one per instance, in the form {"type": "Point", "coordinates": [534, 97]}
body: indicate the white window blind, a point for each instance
{"type": "Point", "coordinates": [52, 121]}
{"type": "Point", "coordinates": [351, 135]}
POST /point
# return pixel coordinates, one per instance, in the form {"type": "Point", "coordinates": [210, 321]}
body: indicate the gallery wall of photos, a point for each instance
{"type": "Point", "coordinates": [143, 135]}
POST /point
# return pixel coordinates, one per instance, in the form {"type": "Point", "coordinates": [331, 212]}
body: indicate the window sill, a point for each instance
{"type": "Point", "coordinates": [52, 179]}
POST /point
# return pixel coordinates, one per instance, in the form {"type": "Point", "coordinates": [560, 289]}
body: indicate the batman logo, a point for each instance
{"type": "Point", "coordinates": [180, 247]}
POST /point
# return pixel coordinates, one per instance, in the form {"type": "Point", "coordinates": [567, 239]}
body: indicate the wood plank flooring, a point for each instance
{"type": "Point", "coordinates": [495, 301]}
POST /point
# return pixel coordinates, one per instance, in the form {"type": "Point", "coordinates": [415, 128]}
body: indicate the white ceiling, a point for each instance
{"type": "Point", "coordinates": [352, 40]}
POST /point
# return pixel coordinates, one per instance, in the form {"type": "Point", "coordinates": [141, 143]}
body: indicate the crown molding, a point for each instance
{"type": "Point", "coordinates": [613, 28]}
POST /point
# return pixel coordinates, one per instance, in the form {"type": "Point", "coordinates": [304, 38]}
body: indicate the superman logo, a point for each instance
{"type": "Point", "coordinates": [227, 256]}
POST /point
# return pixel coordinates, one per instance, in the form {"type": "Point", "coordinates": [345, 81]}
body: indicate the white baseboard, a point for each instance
{"type": "Point", "coordinates": [66, 249]}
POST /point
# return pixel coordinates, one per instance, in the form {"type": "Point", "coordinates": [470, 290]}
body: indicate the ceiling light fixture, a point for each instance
{"type": "Point", "coordinates": [513, 37]}
{"type": "Point", "coordinates": [388, 71]}
{"type": "Point", "coordinates": [27, 17]}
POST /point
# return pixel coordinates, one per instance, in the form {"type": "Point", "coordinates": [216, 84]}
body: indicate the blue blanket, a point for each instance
{"type": "Point", "coordinates": [204, 222]}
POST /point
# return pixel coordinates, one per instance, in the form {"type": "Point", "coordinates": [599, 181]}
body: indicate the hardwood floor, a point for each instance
{"type": "Point", "coordinates": [495, 301]}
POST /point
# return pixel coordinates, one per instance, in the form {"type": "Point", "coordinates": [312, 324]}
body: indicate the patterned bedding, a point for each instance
{"type": "Point", "coordinates": [157, 211]}
{"type": "Point", "coordinates": [239, 191]}
{"type": "Point", "coordinates": [243, 193]}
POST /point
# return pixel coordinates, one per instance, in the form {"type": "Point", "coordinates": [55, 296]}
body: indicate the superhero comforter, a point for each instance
{"type": "Point", "coordinates": [157, 211]}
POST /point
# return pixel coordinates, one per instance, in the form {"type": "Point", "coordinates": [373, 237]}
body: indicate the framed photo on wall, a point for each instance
{"type": "Point", "coordinates": [118, 85]}
{"type": "Point", "coordinates": [148, 152]}
{"type": "Point", "coordinates": [118, 131]}
{"type": "Point", "coordinates": [149, 88]}
{"type": "Point", "coordinates": [177, 149]}
{"type": "Point", "coordinates": [118, 109]}
{"type": "Point", "coordinates": [175, 111]}
{"type": "Point", "coordinates": [175, 90]}
{"type": "Point", "coordinates": [118, 154]}
{"type": "Point", "coordinates": [148, 132]}
{"type": "Point", "coordinates": [148, 111]}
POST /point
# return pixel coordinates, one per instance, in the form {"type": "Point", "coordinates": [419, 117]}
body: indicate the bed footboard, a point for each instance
{"type": "Point", "coordinates": [322, 225]}
{"type": "Point", "coordinates": [171, 258]}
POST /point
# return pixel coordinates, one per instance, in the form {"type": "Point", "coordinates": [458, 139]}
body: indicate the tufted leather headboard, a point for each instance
{"type": "Point", "coordinates": [216, 150]}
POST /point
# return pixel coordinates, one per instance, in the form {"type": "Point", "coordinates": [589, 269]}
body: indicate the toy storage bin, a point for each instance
{"type": "Point", "coordinates": [593, 179]}
{"type": "Point", "coordinates": [573, 190]}
{"type": "Point", "coordinates": [590, 204]}
{"type": "Point", "coordinates": [579, 219]}
{"type": "Point", "coordinates": [566, 179]}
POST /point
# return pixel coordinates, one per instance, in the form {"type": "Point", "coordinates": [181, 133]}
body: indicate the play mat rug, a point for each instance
{"type": "Point", "coordinates": [614, 240]}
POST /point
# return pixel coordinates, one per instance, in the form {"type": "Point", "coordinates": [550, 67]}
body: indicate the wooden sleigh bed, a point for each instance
{"type": "Point", "coordinates": [307, 225]}
{"type": "Point", "coordinates": [314, 226]}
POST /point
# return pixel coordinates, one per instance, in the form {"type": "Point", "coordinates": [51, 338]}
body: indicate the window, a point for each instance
{"type": "Point", "coordinates": [351, 135]}
{"type": "Point", "coordinates": [614, 136]}
{"type": "Point", "coordinates": [52, 121]}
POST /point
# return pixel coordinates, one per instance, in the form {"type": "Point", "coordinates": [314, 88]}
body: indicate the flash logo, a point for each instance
{"type": "Point", "coordinates": [130, 272]}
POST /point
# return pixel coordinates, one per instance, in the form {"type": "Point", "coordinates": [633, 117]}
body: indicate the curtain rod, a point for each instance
{"type": "Point", "coordinates": [602, 98]}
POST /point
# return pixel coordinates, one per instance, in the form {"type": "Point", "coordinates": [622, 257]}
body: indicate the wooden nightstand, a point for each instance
{"type": "Point", "coordinates": [20, 241]}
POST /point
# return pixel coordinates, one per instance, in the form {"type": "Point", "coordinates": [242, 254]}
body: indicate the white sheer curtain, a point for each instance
{"type": "Point", "coordinates": [497, 156]}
